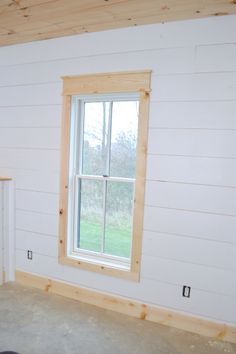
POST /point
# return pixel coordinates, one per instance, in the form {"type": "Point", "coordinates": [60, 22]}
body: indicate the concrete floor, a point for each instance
{"type": "Point", "coordinates": [32, 322]}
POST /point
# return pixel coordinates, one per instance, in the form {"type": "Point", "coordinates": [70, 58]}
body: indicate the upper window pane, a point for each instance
{"type": "Point", "coordinates": [95, 137]}
{"type": "Point", "coordinates": [124, 138]}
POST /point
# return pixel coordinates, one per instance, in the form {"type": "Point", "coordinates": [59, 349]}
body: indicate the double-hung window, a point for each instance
{"type": "Point", "coordinates": [104, 137]}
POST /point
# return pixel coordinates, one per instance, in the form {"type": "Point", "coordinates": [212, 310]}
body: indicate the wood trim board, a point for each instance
{"type": "Point", "coordinates": [138, 82]}
{"type": "Point", "coordinates": [30, 20]}
{"type": "Point", "coordinates": [131, 81]}
{"type": "Point", "coordinates": [130, 307]}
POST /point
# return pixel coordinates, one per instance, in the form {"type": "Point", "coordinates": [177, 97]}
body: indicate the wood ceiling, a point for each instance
{"type": "Point", "coordinates": [30, 20]}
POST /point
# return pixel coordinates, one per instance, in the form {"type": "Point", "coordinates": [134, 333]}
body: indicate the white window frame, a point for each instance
{"type": "Point", "coordinates": [75, 174]}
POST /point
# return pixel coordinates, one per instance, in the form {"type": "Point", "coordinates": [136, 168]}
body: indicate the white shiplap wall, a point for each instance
{"type": "Point", "coordinates": [190, 214]}
{"type": "Point", "coordinates": [1, 234]}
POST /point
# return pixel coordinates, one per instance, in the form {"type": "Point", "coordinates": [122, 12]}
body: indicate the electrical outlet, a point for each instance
{"type": "Point", "coordinates": [186, 291]}
{"type": "Point", "coordinates": [30, 255]}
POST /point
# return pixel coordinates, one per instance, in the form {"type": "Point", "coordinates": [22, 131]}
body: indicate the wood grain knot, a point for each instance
{"type": "Point", "coordinates": [220, 14]}
{"type": "Point", "coordinates": [143, 315]}
{"type": "Point", "coordinates": [47, 287]}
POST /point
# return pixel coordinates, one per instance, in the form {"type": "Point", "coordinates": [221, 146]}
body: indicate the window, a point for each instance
{"type": "Point", "coordinates": [104, 136]}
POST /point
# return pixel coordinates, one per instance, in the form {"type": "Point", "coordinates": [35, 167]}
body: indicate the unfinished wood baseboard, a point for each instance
{"type": "Point", "coordinates": [129, 307]}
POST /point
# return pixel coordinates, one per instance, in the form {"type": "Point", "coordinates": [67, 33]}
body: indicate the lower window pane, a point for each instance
{"type": "Point", "coordinates": [91, 215]}
{"type": "Point", "coordinates": [119, 210]}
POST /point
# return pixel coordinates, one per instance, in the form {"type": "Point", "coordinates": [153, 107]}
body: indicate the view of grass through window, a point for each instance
{"type": "Point", "coordinates": [106, 183]}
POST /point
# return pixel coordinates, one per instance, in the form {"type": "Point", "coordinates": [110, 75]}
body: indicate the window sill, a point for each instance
{"type": "Point", "coordinates": [106, 269]}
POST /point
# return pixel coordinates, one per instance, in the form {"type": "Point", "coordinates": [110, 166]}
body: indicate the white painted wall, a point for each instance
{"type": "Point", "coordinates": [190, 214]}
{"type": "Point", "coordinates": [1, 234]}
{"type": "Point", "coordinates": [7, 231]}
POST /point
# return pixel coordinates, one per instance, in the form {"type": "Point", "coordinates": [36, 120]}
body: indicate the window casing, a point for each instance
{"type": "Point", "coordinates": [108, 89]}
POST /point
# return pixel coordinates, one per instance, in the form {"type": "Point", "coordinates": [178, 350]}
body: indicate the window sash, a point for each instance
{"type": "Point", "coordinates": [78, 111]}
{"type": "Point", "coordinates": [106, 178]}
{"type": "Point", "coordinates": [102, 258]}
{"type": "Point", "coordinates": [76, 166]}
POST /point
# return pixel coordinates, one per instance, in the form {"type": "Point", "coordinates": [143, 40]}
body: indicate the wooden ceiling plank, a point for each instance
{"type": "Point", "coordinates": [48, 12]}
{"type": "Point", "coordinates": [90, 17]}
{"type": "Point", "coordinates": [29, 20]}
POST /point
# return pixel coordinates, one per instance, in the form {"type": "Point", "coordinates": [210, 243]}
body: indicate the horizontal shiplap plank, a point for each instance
{"type": "Point", "coordinates": [214, 280]}
{"type": "Point", "coordinates": [37, 222]}
{"type": "Point", "coordinates": [194, 87]}
{"type": "Point", "coordinates": [160, 61]}
{"type": "Point", "coordinates": [48, 138]}
{"type": "Point", "coordinates": [193, 115]}
{"type": "Point", "coordinates": [24, 95]}
{"type": "Point", "coordinates": [191, 142]}
{"type": "Point", "coordinates": [37, 201]}
{"type": "Point", "coordinates": [191, 197]}
{"type": "Point", "coordinates": [30, 116]}
{"type": "Point", "coordinates": [173, 34]}
{"type": "Point", "coordinates": [39, 160]}
{"type": "Point", "coordinates": [37, 243]}
{"type": "Point", "coordinates": [199, 170]}
{"type": "Point", "coordinates": [41, 181]}
{"type": "Point", "coordinates": [216, 306]}
{"type": "Point", "coordinates": [37, 181]}
{"type": "Point", "coordinates": [192, 275]}
{"type": "Point", "coordinates": [224, 57]}
{"type": "Point", "coordinates": [195, 224]}
{"type": "Point", "coordinates": [44, 265]}
{"type": "Point", "coordinates": [196, 251]}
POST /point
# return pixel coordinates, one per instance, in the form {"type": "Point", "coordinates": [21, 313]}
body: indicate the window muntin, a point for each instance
{"type": "Point", "coordinates": [102, 176]}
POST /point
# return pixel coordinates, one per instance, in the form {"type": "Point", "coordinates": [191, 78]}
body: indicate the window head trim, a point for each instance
{"type": "Point", "coordinates": [120, 82]}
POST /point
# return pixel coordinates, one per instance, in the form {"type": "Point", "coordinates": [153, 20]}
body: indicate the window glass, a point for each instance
{"type": "Point", "coordinates": [106, 158]}
{"type": "Point", "coordinates": [119, 212]}
{"type": "Point", "coordinates": [90, 214]}
{"type": "Point", "coordinates": [124, 138]}
{"type": "Point", "coordinates": [95, 137]}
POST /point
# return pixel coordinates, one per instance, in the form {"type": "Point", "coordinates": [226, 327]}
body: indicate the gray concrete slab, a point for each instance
{"type": "Point", "coordinates": [33, 322]}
